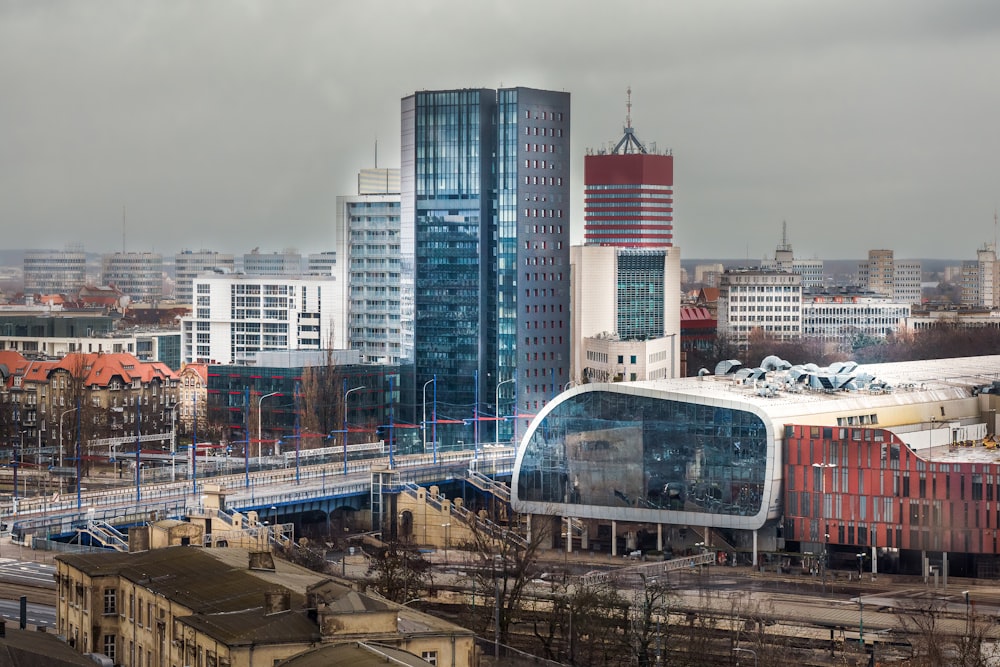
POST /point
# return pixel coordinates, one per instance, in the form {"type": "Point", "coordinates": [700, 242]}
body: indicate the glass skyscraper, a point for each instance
{"type": "Point", "coordinates": [485, 214]}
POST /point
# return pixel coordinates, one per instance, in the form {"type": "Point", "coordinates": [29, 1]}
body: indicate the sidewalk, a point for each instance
{"type": "Point", "coordinates": [17, 552]}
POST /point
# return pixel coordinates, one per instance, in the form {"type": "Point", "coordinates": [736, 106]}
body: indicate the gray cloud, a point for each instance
{"type": "Point", "coordinates": [233, 124]}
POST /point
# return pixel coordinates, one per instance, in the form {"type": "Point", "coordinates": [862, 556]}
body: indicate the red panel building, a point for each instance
{"type": "Point", "coordinates": [851, 489]}
{"type": "Point", "coordinates": [628, 195]}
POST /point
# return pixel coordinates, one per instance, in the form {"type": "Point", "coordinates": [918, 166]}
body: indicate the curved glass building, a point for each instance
{"type": "Point", "coordinates": [630, 452]}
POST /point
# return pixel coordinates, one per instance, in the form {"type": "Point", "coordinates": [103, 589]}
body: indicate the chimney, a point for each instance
{"type": "Point", "coordinates": [277, 601]}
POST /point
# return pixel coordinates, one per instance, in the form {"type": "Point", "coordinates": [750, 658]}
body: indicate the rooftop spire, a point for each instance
{"type": "Point", "coordinates": [629, 143]}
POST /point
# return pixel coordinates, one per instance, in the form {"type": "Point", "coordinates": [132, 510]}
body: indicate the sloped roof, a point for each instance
{"type": "Point", "coordinates": [99, 368]}
{"type": "Point", "coordinates": [695, 314]}
{"type": "Point", "coordinates": [187, 575]}
{"type": "Point", "coordinates": [201, 370]}
{"type": "Point", "coordinates": [360, 654]}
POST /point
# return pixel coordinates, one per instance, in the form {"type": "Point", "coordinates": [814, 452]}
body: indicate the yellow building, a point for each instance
{"type": "Point", "coordinates": [230, 607]}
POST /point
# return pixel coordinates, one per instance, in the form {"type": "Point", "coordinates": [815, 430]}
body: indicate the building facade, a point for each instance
{"type": "Point", "coordinates": [485, 212]}
{"type": "Point", "coordinates": [189, 264]}
{"type": "Point", "coordinates": [894, 458]}
{"type": "Point", "coordinates": [371, 279]}
{"type": "Point", "coordinates": [980, 280]}
{"type": "Point", "coordinates": [844, 316]}
{"type": "Point", "coordinates": [54, 271]}
{"type": "Point", "coordinates": [237, 316]}
{"type": "Point", "coordinates": [139, 275]}
{"type": "Point", "coordinates": [897, 279]}
{"type": "Point", "coordinates": [628, 299]}
{"type": "Point", "coordinates": [755, 299]}
{"type": "Point", "coordinates": [285, 263]}
{"type": "Point", "coordinates": [628, 195]}
{"type": "Point", "coordinates": [226, 607]}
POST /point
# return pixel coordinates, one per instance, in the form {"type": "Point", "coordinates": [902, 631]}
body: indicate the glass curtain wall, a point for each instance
{"type": "Point", "coordinates": [617, 450]}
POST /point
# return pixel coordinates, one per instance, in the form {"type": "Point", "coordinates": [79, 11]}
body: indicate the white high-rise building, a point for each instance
{"type": "Point", "coordinates": [981, 279]}
{"type": "Point", "coordinates": [188, 265]}
{"type": "Point", "coordinates": [897, 279]}
{"type": "Point", "coordinates": [237, 316]}
{"type": "Point", "coordinates": [756, 299]}
{"type": "Point", "coordinates": [54, 271]}
{"type": "Point", "coordinates": [626, 313]}
{"type": "Point", "coordinates": [369, 274]}
{"type": "Point", "coordinates": [139, 275]}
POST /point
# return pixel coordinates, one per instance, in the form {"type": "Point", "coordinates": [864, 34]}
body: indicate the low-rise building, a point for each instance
{"type": "Point", "coordinates": [229, 607]}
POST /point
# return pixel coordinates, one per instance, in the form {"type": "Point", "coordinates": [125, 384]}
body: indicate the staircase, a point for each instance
{"type": "Point", "coordinates": [105, 535]}
{"type": "Point", "coordinates": [488, 484]}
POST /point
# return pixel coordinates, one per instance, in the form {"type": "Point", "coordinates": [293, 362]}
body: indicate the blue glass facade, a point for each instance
{"type": "Point", "coordinates": [485, 181]}
{"type": "Point", "coordinates": [627, 452]}
{"type": "Point", "coordinates": [640, 294]}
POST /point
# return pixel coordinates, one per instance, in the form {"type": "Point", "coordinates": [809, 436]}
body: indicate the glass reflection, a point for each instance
{"type": "Point", "coordinates": [618, 450]}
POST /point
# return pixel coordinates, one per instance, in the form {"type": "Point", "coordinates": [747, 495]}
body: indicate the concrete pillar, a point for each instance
{"type": "Point", "coordinates": [874, 562]}
{"type": "Point", "coordinates": [755, 547]}
{"type": "Point", "coordinates": [569, 534]}
{"type": "Point", "coordinates": [659, 537]}
{"type": "Point", "coordinates": [614, 538]}
{"type": "Point", "coordinates": [585, 537]}
{"type": "Point", "coordinates": [527, 525]}
{"type": "Point", "coordinates": [944, 569]}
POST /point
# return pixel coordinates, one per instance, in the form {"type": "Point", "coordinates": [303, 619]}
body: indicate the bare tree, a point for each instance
{"type": "Point", "coordinates": [398, 571]}
{"type": "Point", "coordinates": [938, 637]}
{"type": "Point", "coordinates": [504, 562]}
{"type": "Point", "coordinates": [648, 617]}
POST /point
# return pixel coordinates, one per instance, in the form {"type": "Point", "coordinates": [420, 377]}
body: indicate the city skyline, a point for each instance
{"type": "Point", "coordinates": [210, 124]}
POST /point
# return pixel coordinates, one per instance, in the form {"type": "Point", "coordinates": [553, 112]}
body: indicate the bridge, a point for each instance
{"type": "Point", "coordinates": [315, 487]}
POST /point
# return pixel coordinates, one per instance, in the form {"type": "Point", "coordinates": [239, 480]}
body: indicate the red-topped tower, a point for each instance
{"type": "Point", "coordinates": [628, 194]}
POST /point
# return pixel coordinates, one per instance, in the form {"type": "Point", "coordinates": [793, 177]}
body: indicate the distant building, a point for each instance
{"type": "Point", "coordinates": [321, 263]}
{"type": "Point", "coordinates": [844, 314]}
{"type": "Point", "coordinates": [188, 265]}
{"type": "Point", "coordinates": [54, 271]}
{"type": "Point", "coordinates": [900, 280]}
{"type": "Point", "coordinates": [708, 274]}
{"type": "Point", "coordinates": [980, 279]}
{"type": "Point", "coordinates": [286, 263]}
{"type": "Point", "coordinates": [237, 316]}
{"type": "Point", "coordinates": [755, 299]}
{"type": "Point", "coordinates": [370, 278]}
{"type": "Point", "coordinates": [784, 259]}
{"type": "Point", "coordinates": [139, 275]}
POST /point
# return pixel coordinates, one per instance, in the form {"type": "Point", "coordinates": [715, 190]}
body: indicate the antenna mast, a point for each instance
{"type": "Point", "coordinates": [628, 108]}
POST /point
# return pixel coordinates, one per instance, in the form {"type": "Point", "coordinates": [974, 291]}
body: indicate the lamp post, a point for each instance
{"type": "Point", "coordinates": [861, 621]}
{"type": "Point", "coordinates": [826, 528]}
{"type": "Point", "coordinates": [423, 423]}
{"type": "Point", "coordinates": [63, 414]}
{"type": "Point", "coordinates": [260, 429]}
{"type": "Point", "coordinates": [346, 394]}
{"type": "Point", "coordinates": [746, 650]}
{"type": "Point", "coordinates": [446, 526]}
{"type": "Point", "coordinates": [499, 384]}
{"type": "Point", "coordinates": [967, 619]}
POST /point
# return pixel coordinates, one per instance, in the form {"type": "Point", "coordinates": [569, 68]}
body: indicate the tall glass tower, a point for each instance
{"type": "Point", "coordinates": [485, 214]}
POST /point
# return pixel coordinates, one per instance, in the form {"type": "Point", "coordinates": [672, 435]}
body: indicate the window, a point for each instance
{"type": "Point", "coordinates": [110, 601]}
{"type": "Point", "coordinates": [430, 656]}
{"type": "Point", "coordinates": [110, 643]}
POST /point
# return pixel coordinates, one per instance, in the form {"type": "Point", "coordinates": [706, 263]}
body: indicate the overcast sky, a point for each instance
{"type": "Point", "coordinates": [231, 125]}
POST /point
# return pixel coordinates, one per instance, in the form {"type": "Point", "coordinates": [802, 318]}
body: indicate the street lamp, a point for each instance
{"type": "Point", "coordinates": [346, 394]}
{"type": "Point", "coordinates": [826, 528]}
{"type": "Point", "coordinates": [260, 437]}
{"type": "Point", "coordinates": [423, 424]}
{"type": "Point", "coordinates": [966, 594]}
{"type": "Point", "coordinates": [64, 413]}
{"type": "Point", "coordinates": [499, 384]}
{"type": "Point", "coordinates": [746, 650]}
{"type": "Point", "coordinates": [446, 526]}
